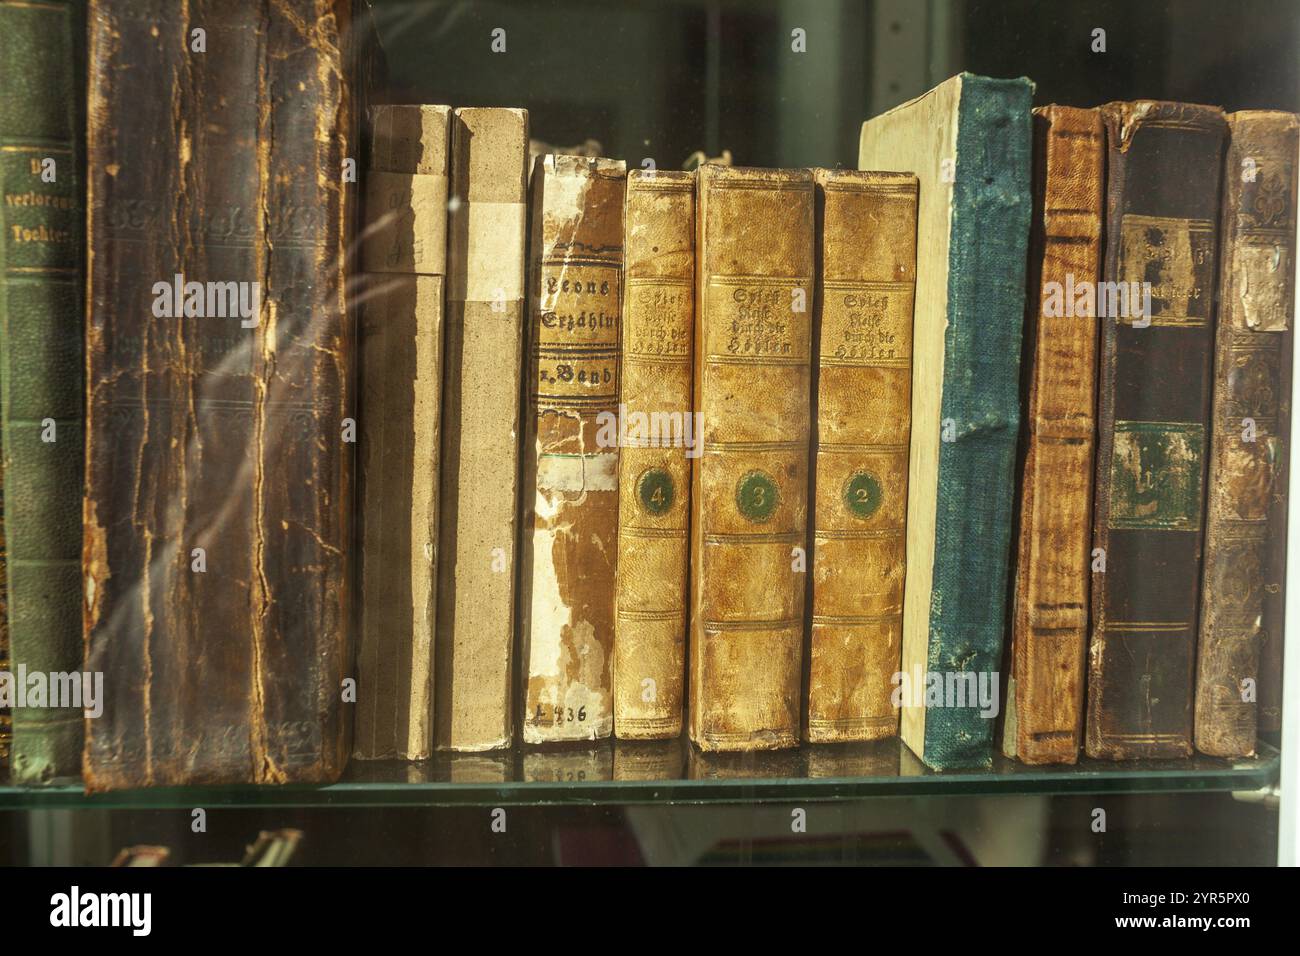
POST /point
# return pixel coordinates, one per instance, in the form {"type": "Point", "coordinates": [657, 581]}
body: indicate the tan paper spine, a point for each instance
{"type": "Point", "coordinates": [570, 475]}
{"type": "Point", "coordinates": [750, 485]}
{"type": "Point", "coordinates": [654, 463]}
{"type": "Point", "coordinates": [398, 428]}
{"type": "Point", "coordinates": [866, 284]}
{"type": "Point", "coordinates": [480, 430]}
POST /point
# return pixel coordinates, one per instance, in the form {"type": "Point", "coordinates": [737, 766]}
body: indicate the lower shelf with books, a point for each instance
{"type": "Point", "coordinates": [671, 772]}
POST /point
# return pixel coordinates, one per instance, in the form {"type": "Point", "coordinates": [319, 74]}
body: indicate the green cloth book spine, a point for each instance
{"type": "Point", "coordinates": [981, 397]}
{"type": "Point", "coordinates": [41, 280]}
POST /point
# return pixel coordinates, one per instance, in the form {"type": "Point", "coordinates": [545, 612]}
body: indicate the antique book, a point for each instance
{"type": "Point", "coordinates": [570, 470]}
{"type": "Point", "coordinates": [403, 259]}
{"type": "Point", "coordinates": [482, 377]}
{"type": "Point", "coordinates": [1245, 511]}
{"type": "Point", "coordinates": [6, 717]}
{"type": "Point", "coordinates": [749, 487]}
{"type": "Point", "coordinates": [1164, 163]}
{"type": "Point", "coordinates": [657, 439]}
{"type": "Point", "coordinates": [1049, 618]}
{"type": "Point", "coordinates": [969, 143]}
{"type": "Point", "coordinates": [220, 420]}
{"type": "Point", "coordinates": [862, 335]}
{"type": "Point", "coordinates": [41, 417]}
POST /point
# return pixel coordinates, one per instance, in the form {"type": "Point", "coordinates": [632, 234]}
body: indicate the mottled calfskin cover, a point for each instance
{"type": "Point", "coordinates": [749, 493]}
{"type": "Point", "coordinates": [1245, 519]}
{"type": "Point", "coordinates": [862, 413]}
{"type": "Point", "coordinates": [653, 460]}
{"type": "Point", "coordinates": [1049, 624]}
{"type": "Point", "coordinates": [1164, 162]}
{"type": "Point", "coordinates": [41, 288]}
{"type": "Point", "coordinates": [223, 166]}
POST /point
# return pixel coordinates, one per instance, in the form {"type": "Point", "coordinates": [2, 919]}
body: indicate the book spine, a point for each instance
{"type": "Point", "coordinates": [750, 484]}
{"type": "Point", "coordinates": [658, 437]}
{"type": "Point", "coordinates": [571, 451]}
{"type": "Point", "coordinates": [1164, 162]}
{"type": "Point", "coordinates": [862, 328]}
{"type": "Point", "coordinates": [979, 412]}
{"type": "Point", "coordinates": [474, 644]}
{"type": "Point", "coordinates": [6, 717]}
{"type": "Point", "coordinates": [40, 369]}
{"type": "Point", "coordinates": [1245, 520]}
{"type": "Point", "coordinates": [1049, 633]}
{"type": "Point", "coordinates": [220, 412]}
{"type": "Point", "coordinates": [404, 259]}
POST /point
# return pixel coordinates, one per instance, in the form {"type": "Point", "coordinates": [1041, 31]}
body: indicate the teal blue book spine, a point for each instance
{"type": "Point", "coordinates": [981, 407]}
{"type": "Point", "coordinates": [41, 282]}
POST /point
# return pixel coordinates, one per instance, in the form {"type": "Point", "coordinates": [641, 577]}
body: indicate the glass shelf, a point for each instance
{"type": "Point", "coordinates": [666, 772]}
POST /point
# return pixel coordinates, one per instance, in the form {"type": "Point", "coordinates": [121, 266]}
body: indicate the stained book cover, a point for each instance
{"type": "Point", "coordinates": [570, 470]}
{"type": "Point", "coordinates": [42, 284]}
{"type": "Point", "coordinates": [219, 354]}
{"type": "Point", "coordinates": [401, 320]}
{"type": "Point", "coordinates": [1245, 521]}
{"type": "Point", "coordinates": [1049, 624]}
{"type": "Point", "coordinates": [474, 645]}
{"type": "Point", "coordinates": [1164, 164]}
{"type": "Point", "coordinates": [749, 495]}
{"type": "Point", "coordinates": [655, 453]}
{"type": "Point", "coordinates": [969, 143]}
{"type": "Point", "coordinates": [862, 332]}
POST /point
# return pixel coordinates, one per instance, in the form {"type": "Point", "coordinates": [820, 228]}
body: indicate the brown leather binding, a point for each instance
{"type": "Point", "coordinates": [862, 315]}
{"type": "Point", "coordinates": [1245, 523]}
{"type": "Point", "coordinates": [750, 485]}
{"type": "Point", "coordinates": [204, 433]}
{"type": "Point", "coordinates": [654, 467]}
{"type": "Point", "coordinates": [1049, 633]}
{"type": "Point", "coordinates": [1164, 162]}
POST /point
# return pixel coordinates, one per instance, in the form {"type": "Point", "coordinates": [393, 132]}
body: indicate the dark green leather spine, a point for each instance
{"type": "Point", "coordinates": [40, 366]}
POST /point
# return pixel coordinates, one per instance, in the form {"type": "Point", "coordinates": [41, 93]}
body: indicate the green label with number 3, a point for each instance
{"type": "Point", "coordinates": [756, 496]}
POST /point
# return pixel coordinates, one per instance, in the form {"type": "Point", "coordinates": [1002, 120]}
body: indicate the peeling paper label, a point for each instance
{"type": "Point", "coordinates": [1260, 274]}
{"type": "Point", "coordinates": [578, 473]}
{"type": "Point", "coordinates": [406, 223]}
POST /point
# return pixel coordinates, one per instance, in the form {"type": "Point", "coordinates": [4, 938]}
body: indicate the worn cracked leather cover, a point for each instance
{"type": "Point", "coordinates": [570, 473]}
{"type": "Point", "coordinates": [213, 432]}
{"type": "Point", "coordinates": [1049, 627]}
{"type": "Point", "coordinates": [1164, 163]}
{"type": "Point", "coordinates": [1245, 520]}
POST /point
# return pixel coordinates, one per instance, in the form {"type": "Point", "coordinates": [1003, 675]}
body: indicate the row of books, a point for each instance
{"type": "Point", "coordinates": [742, 459]}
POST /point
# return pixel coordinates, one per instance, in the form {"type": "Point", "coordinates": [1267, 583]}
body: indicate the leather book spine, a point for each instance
{"type": "Point", "coordinates": [570, 473]}
{"type": "Point", "coordinates": [862, 328]}
{"type": "Point", "coordinates": [749, 499]}
{"type": "Point", "coordinates": [1049, 631]}
{"type": "Point", "coordinates": [1164, 163]}
{"type": "Point", "coordinates": [41, 289]}
{"type": "Point", "coordinates": [220, 412]}
{"type": "Point", "coordinates": [482, 380]}
{"type": "Point", "coordinates": [6, 716]}
{"type": "Point", "coordinates": [404, 260]}
{"type": "Point", "coordinates": [658, 437]}
{"type": "Point", "coordinates": [1245, 519]}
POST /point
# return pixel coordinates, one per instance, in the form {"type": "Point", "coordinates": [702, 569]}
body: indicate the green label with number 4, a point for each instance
{"type": "Point", "coordinates": [654, 489]}
{"type": "Point", "coordinates": [756, 496]}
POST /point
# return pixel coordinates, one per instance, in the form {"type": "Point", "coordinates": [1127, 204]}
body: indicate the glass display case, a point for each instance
{"type": "Point", "coordinates": [672, 85]}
